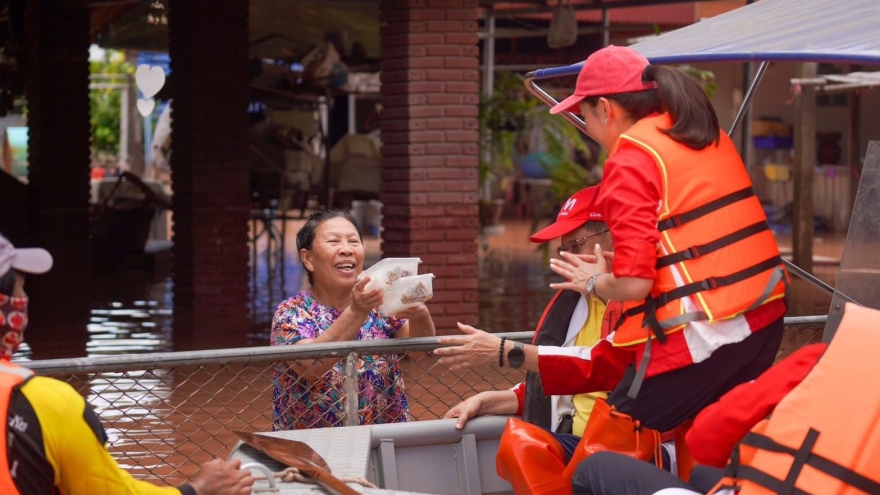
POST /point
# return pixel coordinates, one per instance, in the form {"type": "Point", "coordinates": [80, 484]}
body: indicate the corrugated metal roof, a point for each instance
{"type": "Point", "coordinates": [843, 31]}
{"type": "Point", "coordinates": [814, 30]}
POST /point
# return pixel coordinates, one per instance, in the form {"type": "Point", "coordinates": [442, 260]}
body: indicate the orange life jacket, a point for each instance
{"type": "Point", "coordinates": [716, 251]}
{"type": "Point", "coordinates": [11, 376]}
{"type": "Point", "coordinates": [823, 438]}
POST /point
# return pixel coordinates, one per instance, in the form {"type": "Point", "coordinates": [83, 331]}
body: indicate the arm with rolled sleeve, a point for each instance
{"type": "Point", "coordinates": [630, 198]}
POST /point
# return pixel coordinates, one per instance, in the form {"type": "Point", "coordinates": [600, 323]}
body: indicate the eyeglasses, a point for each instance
{"type": "Point", "coordinates": [574, 246]}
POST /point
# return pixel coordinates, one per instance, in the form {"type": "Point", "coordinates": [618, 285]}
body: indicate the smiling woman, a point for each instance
{"type": "Point", "coordinates": [338, 307]}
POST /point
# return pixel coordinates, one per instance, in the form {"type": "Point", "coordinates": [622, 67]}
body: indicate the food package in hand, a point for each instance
{"type": "Point", "coordinates": [406, 293]}
{"type": "Point", "coordinates": [386, 271]}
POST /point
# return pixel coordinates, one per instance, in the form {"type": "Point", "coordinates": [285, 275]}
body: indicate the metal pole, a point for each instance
{"type": "Point", "coordinates": [606, 27]}
{"type": "Point", "coordinates": [489, 54]}
{"type": "Point", "coordinates": [550, 101]}
{"type": "Point", "coordinates": [125, 105]}
{"type": "Point", "coordinates": [352, 418]}
{"type": "Point", "coordinates": [748, 97]}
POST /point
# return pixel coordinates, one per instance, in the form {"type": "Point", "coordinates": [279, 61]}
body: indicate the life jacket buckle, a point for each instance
{"type": "Point", "coordinates": [672, 222]}
{"type": "Point", "coordinates": [709, 284]}
{"type": "Point", "coordinates": [691, 253]}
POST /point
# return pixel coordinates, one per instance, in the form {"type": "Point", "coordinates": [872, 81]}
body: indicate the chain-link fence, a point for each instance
{"type": "Point", "coordinates": [168, 413]}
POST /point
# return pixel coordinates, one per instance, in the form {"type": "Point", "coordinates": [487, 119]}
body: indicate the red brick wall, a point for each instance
{"type": "Point", "coordinates": [430, 97]}
{"type": "Point", "coordinates": [57, 78]}
{"type": "Point", "coordinates": [209, 87]}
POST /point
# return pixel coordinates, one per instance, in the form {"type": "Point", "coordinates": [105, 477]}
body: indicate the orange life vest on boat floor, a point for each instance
{"type": "Point", "coordinates": [717, 257]}
{"type": "Point", "coordinates": [11, 376]}
{"type": "Point", "coordinates": [823, 438]}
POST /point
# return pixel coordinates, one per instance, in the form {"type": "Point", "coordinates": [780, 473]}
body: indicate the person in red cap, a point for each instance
{"type": "Point", "coordinates": [51, 440]}
{"type": "Point", "coordinates": [533, 453]}
{"type": "Point", "coordinates": [696, 271]}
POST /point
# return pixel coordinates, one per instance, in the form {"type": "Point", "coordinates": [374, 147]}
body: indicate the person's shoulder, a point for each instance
{"type": "Point", "coordinates": [44, 392]}
{"type": "Point", "coordinates": [300, 300]}
{"type": "Point", "coordinates": [630, 153]}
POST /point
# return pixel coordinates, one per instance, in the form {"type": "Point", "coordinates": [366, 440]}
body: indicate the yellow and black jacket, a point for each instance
{"type": "Point", "coordinates": [54, 443]}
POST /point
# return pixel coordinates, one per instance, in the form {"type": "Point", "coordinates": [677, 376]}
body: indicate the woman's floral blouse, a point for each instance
{"type": "Point", "coordinates": [301, 404]}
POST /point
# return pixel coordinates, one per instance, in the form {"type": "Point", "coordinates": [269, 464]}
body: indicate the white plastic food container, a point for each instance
{"type": "Point", "coordinates": [406, 293]}
{"type": "Point", "coordinates": [386, 271]}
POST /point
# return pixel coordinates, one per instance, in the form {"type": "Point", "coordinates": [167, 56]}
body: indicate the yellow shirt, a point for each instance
{"type": "Point", "coordinates": [589, 335]}
{"type": "Point", "coordinates": [72, 445]}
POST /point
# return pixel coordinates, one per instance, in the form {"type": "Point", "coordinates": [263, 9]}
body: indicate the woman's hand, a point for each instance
{"type": "Point", "coordinates": [577, 269]}
{"type": "Point", "coordinates": [417, 312]}
{"type": "Point", "coordinates": [475, 348]}
{"type": "Point", "coordinates": [465, 410]}
{"type": "Point", "coordinates": [418, 322]}
{"type": "Point", "coordinates": [362, 302]}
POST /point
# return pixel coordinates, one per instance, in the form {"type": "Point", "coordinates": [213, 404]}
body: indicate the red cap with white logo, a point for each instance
{"type": "Point", "coordinates": [575, 212]}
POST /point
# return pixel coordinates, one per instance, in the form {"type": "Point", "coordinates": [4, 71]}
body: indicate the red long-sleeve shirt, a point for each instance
{"type": "Point", "coordinates": [630, 199]}
{"type": "Point", "coordinates": [721, 425]}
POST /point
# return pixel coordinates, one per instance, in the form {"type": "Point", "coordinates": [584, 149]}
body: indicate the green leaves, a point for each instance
{"type": "Point", "coordinates": [106, 103]}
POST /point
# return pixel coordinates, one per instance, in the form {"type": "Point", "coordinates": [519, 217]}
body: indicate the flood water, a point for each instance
{"type": "Point", "coordinates": [158, 422]}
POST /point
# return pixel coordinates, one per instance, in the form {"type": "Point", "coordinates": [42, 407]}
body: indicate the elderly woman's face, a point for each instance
{"type": "Point", "coordinates": [337, 254]}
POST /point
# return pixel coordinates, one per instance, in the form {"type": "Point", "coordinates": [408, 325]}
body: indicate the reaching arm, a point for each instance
{"type": "Point", "coordinates": [479, 348]}
{"type": "Point", "coordinates": [418, 323]}
{"type": "Point", "coordinates": [489, 402]}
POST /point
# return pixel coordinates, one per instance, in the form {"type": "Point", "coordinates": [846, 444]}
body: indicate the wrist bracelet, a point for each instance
{"type": "Point", "coordinates": [501, 353]}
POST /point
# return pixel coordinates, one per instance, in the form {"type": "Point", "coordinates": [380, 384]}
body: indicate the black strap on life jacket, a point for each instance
{"type": "Point", "coordinates": [651, 303]}
{"type": "Point", "coordinates": [695, 252]}
{"type": "Point", "coordinates": [553, 330]}
{"type": "Point", "coordinates": [803, 456]}
{"type": "Point", "coordinates": [691, 215]}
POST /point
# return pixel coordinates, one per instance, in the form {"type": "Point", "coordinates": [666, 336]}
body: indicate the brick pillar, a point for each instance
{"type": "Point", "coordinates": [430, 97]}
{"type": "Point", "coordinates": [209, 88]}
{"type": "Point", "coordinates": [57, 89]}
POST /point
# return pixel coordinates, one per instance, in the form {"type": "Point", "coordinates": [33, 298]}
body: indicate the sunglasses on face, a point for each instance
{"type": "Point", "coordinates": [574, 246]}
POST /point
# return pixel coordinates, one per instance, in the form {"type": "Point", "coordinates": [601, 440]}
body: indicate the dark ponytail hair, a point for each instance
{"type": "Point", "coordinates": [306, 235]}
{"type": "Point", "coordinates": [694, 122]}
{"type": "Point", "coordinates": [7, 283]}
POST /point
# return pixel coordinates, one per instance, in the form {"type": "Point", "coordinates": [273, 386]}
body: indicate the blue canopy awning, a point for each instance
{"type": "Point", "coordinates": [843, 31]}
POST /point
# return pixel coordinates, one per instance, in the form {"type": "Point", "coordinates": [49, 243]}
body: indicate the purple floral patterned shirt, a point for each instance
{"type": "Point", "coordinates": [301, 404]}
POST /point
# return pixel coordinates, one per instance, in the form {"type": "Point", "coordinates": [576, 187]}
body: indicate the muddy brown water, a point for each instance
{"type": "Point", "coordinates": [162, 426]}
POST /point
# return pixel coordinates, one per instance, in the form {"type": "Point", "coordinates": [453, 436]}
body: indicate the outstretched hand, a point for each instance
{"type": "Point", "coordinates": [218, 477]}
{"type": "Point", "coordinates": [363, 301]}
{"type": "Point", "coordinates": [474, 348]}
{"type": "Point", "coordinates": [577, 269]}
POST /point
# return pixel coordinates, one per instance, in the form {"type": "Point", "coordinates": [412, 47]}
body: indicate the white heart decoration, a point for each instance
{"type": "Point", "coordinates": [149, 79]}
{"type": "Point", "coordinates": [145, 107]}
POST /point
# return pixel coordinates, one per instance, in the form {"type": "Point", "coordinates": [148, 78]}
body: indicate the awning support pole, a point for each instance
{"type": "Point", "coordinates": [748, 98]}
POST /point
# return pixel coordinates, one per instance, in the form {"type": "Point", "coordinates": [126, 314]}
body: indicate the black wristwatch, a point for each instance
{"type": "Point", "coordinates": [515, 356]}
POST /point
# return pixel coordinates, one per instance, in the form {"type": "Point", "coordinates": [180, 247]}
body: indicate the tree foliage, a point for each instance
{"type": "Point", "coordinates": [106, 103]}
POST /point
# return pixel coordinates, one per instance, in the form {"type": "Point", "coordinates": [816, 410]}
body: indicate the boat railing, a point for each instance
{"type": "Point", "coordinates": [167, 413]}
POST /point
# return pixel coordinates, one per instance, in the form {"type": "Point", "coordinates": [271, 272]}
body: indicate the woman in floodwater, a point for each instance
{"type": "Point", "coordinates": [337, 308]}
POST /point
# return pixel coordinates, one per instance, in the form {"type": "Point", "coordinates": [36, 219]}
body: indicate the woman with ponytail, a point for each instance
{"type": "Point", "coordinates": [695, 267]}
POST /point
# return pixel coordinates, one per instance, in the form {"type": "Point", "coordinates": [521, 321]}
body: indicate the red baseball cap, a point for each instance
{"type": "Point", "coordinates": [609, 71]}
{"type": "Point", "coordinates": [579, 209]}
